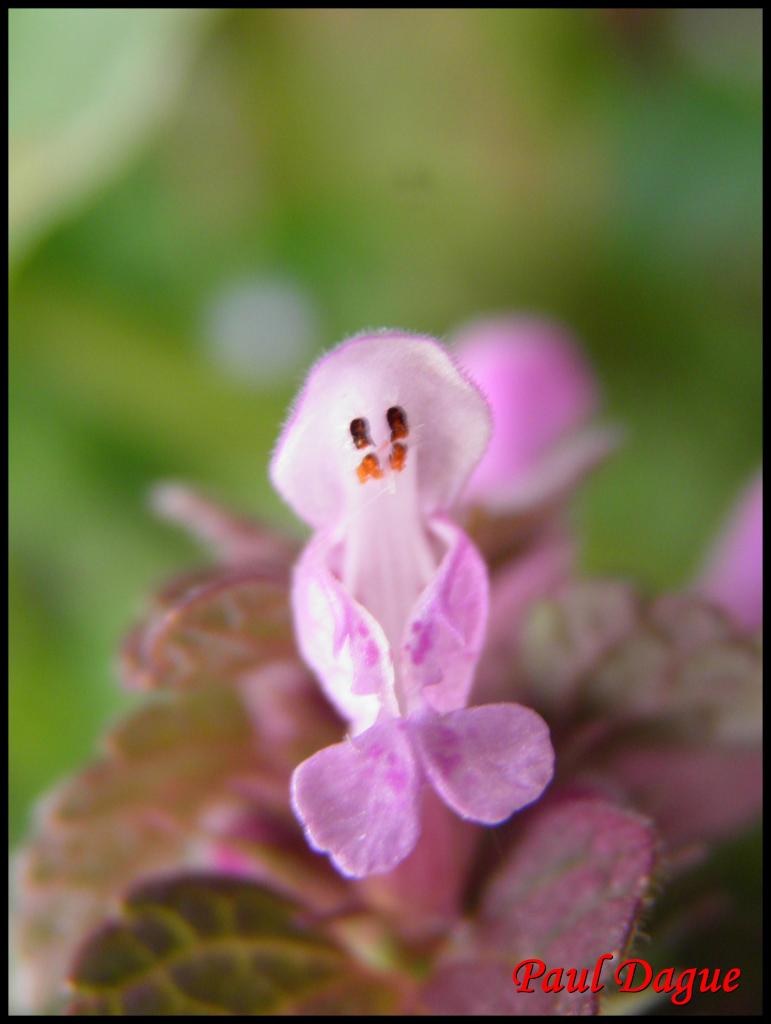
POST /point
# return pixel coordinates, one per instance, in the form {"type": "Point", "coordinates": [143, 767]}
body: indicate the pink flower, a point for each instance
{"type": "Point", "coordinates": [543, 395]}
{"type": "Point", "coordinates": [390, 602]}
{"type": "Point", "coordinates": [733, 576]}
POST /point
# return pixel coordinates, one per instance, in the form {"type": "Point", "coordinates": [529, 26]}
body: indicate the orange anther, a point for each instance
{"type": "Point", "coordinates": [369, 467]}
{"type": "Point", "coordinates": [398, 457]}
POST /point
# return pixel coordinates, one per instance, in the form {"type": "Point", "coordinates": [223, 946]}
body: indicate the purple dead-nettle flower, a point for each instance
{"type": "Point", "coordinates": [390, 603]}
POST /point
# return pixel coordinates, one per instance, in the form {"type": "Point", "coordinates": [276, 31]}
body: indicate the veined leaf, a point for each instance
{"type": "Point", "coordinates": [172, 777]}
{"type": "Point", "coordinates": [207, 945]}
{"type": "Point", "coordinates": [210, 629]}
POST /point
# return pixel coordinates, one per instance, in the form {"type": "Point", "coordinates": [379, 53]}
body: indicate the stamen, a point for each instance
{"type": "Point", "coordinates": [397, 421]}
{"type": "Point", "coordinates": [398, 456]}
{"type": "Point", "coordinates": [360, 433]}
{"type": "Point", "coordinates": [369, 467]}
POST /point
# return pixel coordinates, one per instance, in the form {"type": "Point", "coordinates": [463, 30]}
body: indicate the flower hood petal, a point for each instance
{"type": "Point", "coordinates": [314, 463]}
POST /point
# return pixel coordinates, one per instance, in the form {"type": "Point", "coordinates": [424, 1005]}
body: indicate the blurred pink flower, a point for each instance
{"type": "Point", "coordinates": [543, 396]}
{"type": "Point", "coordinates": [733, 575]}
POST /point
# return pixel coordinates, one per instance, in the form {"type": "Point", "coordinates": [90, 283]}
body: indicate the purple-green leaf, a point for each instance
{"type": "Point", "coordinates": [595, 648]}
{"type": "Point", "coordinates": [696, 792]}
{"type": "Point", "coordinates": [570, 889]}
{"type": "Point", "coordinates": [669, 696]}
{"type": "Point", "coordinates": [210, 629]}
{"type": "Point", "coordinates": [564, 638]}
{"type": "Point", "coordinates": [173, 777]}
{"type": "Point", "coordinates": [208, 945]}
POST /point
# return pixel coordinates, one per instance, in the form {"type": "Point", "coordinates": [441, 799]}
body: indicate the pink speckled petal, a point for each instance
{"type": "Point", "coordinates": [314, 463]}
{"type": "Point", "coordinates": [338, 638]}
{"type": "Point", "coordinates": [542, 394]}
{"type": "Point", "coordinates": [486, 762]}
{"type": "Point", "coordinates": [445, 634]}
{"type": "Point", "coordinates": [733, 577]}
{"type": "Point", "coordinates": [359, 800]}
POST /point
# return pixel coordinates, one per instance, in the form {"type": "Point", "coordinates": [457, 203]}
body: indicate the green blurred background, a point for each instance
{"type": "Point", "coordinates": [201, 200]}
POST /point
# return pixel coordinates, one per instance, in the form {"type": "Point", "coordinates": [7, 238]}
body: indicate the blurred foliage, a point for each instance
{"type": "Point", "coordinates": [135, 809]}
{"type": "Point", "coordinates": [408, 168]}
{"type": "Point", "coordinates": [200, 945]}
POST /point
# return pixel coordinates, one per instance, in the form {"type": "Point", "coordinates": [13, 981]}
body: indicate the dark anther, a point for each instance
{"type": "Point", "coordinates": [360, 433]}
{"type": "Point", "coordinates": [397, 421]}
